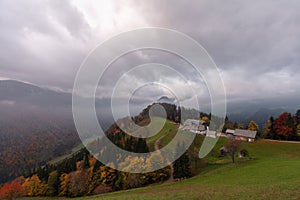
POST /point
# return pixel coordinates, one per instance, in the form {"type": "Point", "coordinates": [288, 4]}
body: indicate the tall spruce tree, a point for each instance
{"type": "Point", "coordinates": [181, 166]}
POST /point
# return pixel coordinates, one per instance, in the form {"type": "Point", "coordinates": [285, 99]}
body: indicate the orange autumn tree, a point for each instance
{"type": "Point", "coordinates": [283, 126]}
{"type": "Point", "coordinates": [11, 190]}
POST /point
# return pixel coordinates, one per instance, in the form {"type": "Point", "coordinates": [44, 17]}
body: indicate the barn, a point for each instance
{"type": "Point", "coordinates": [245, 135]}
{"type": "Point", "coordinates": [241, 134]}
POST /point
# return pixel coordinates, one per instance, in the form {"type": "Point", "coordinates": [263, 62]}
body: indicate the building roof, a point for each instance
{"type": "Point", "coordinates": [245, 133]}
{"type": "Point", "coordinates": [194, 121]}
{"type": "Point", "coordinates": [231, 131]}
{"type": "Point", "coordinates": [194, 125]}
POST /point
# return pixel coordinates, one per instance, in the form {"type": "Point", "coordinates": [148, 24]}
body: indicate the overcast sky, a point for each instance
{"type": "Point", "coordinates": [255, 44]}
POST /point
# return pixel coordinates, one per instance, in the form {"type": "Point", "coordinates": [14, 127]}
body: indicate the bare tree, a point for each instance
{"type": "Point", "coordinates": [232, 147]}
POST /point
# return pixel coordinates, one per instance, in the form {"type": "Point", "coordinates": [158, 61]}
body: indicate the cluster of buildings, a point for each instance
{"type": "Point", "coordinates": [200, 127]}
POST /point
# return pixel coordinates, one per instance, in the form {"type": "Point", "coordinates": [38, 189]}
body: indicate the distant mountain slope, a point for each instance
{"type": "Point", "coordinates": [260, 116]}
{"type": "Point", "coordinates": [24, 93]}
{"type": "Point", "coordinates": [35, 125]}
{"type": "Point", "coordinates": [263, 114]}
{"type": "Point", "coordinates": [30, 97]}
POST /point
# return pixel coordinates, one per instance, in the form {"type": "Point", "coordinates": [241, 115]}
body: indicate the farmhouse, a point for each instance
{"type": "Point", "coordinates": [240, 134]}
{"type": "Point", "coordinates": [195, 126]}
{"type": "Point", "coordinates": [198, 127]}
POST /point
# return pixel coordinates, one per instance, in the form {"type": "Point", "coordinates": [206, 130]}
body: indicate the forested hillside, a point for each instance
{"type": "Point", "coordinates": [29, 140]}
{"type": "Point", "coordinates": [82, 174]}
{"type": "Point", "coordinates": [36, 125]}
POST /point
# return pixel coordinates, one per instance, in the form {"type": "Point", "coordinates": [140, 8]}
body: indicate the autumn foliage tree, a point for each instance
{"type": "Point", "coordinates": [284, 126]}
{"type": "Point", "coordinates": [33, 186]}
{"type": "Point", "coordinates": [253, 126]}
{"type": "Point", "coordinates": [11, 190]}
{"type": "Point", "coordinates": [297, 118]}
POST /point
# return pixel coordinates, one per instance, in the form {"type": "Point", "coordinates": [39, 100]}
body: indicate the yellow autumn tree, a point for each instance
{"type": "Point", "coordinates": [64, 181]}
{"type": "Point", "coordinates": [252, 126]}
{"type": "Point", "coordinates": [205, 118]}
{"type": "Point", "coordinates": [133, 163]}
{"type": "Point", "coordinates": [107, 175]}
{"type": "Point", "coordinates": [33, 186]}
{"type": "Point", "coordinates": [240, 126]}
{"type": "Point", "coordinates": [298, 129]}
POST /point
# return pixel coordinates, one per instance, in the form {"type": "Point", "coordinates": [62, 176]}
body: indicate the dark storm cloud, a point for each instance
{"type": "Point", "coordinates": [41, 42]}
{"type": "Point", "coordinates": [254, 43]}
{"type": "Point", "coordinates": [255, 34]}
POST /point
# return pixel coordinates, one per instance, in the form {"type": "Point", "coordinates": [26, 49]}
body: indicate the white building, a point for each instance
{"type": "Point", "coordinates": [195, 126]}
{"type": "Point", "coordinates": [198, 127]}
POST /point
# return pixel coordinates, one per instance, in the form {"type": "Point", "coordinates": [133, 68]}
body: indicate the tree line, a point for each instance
{"type": "Point", "coordinates": [285, 127]}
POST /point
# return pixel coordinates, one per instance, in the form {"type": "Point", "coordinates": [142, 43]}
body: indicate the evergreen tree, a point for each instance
{"type": "Point", "coordinates": [291, 124]}
{"type": "Point", "coordinates": [86, 163]}
{"type": "Point", "coordinates": [142, 146]}
{"type": "Point", "coordinates": [298, 117]}
{"type": "Point", "coordinates": [179, 114]}
{"type": "Point", "coordinates": [97, 165]}
{"type": "Point", "coordinates": [266, 131]}
{"type": "Point", "coordinates": [53, 184]}
{"type": "Point", "coordinates": [272, 131]}
{"type": "Point", "coordinates": [235, 125]}
{"type": "Point", "coordinates": [182, 164]}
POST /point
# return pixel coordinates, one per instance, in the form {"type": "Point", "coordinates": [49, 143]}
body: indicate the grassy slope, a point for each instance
{"type": "Point", "coordinates": [168, 131]}
{"type": "Point", "coordinates": [271, 172]}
